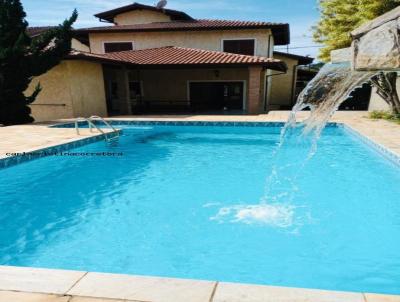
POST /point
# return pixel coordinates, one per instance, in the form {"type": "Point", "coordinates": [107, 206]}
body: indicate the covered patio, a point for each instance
{"type": "Point", "coordinates": [184, 80]}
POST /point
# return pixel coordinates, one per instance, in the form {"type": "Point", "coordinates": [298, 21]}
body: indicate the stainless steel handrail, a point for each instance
{"type": "Point", "coordinates": [93, 125]}
{"type": "Point", "coordinates": [96, 117]}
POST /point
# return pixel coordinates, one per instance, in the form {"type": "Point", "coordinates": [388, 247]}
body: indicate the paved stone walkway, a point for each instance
{"type": "Point", "coordinates": [26, 138]}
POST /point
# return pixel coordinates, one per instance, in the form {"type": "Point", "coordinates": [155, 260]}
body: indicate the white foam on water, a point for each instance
{"type": "Point", "coordinates": [275, 215]}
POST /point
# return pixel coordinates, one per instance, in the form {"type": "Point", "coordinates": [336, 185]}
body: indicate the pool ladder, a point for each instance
{"type": "Point", "coordinates": [109, 137]}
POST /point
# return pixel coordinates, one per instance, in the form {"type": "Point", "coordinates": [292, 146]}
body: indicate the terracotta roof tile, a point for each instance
{"type": "Point", "coordinates": [280, 30]}
{"type": "Point", "coordinates": [36, 31]}
{"type": "Point", "coordinates": [179, 56]}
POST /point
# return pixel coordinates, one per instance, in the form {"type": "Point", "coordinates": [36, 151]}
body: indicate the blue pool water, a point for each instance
{"type": "Point", "coordinates": [191, 202]}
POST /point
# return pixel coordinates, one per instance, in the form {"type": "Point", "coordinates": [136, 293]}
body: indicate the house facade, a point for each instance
{"type": "Point", "coordinates": [151, 60]}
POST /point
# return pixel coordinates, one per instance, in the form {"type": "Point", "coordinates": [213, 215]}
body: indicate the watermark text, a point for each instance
{"type": "Point", "coordinates": [65, 153]}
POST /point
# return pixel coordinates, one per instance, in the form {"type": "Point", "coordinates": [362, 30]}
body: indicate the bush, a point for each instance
{"type": "Point", "coordinates": [384, 115]}
{"type": "Point", "coordinates": [22, 58]}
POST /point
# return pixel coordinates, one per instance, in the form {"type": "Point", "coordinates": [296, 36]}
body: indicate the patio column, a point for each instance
{"type": "Point", "coordinates": [126, 96]}
{"type": "Point", "coordinates": [254, 90]}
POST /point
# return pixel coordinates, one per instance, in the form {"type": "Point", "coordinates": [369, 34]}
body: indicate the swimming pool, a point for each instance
{"type": "Point", "coordinates": [194, 202]}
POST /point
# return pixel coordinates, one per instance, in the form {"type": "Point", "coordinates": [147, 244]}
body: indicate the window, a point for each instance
{"type": "Point", "coordinates": [117, 46]}
{"type": "Point", "coordinates": [242, 47]}
{"type": "Point", "coordinates": [135, 89]}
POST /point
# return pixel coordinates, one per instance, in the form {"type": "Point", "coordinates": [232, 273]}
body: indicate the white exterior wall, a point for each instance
{"type": "Point", "coordinates": [140, 17]}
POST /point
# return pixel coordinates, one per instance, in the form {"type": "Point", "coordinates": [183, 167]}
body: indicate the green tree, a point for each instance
{"type": "Point", "coordinates": [23, 57]}
{"type": "Point", "coordinates": [340, 17]}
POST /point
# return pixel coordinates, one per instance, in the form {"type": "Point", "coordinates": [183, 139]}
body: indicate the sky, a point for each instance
{"type": "Point", "coordinates": [300, 14]}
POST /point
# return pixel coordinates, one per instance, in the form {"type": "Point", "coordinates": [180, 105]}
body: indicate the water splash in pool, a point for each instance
{"type": "Point", "coordinates": [275, 215]}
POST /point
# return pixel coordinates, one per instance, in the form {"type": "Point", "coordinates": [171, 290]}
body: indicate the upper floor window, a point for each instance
{"type": "Point", "coordinates": [117, 46]}
{"type": "Point", "coordinates": [242, 47]}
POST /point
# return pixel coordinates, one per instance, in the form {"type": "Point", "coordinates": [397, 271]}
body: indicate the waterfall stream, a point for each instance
{"type": "Point", "coordinates": [323, 96]}
{"type": "Point", "coordinates": [298, 141]}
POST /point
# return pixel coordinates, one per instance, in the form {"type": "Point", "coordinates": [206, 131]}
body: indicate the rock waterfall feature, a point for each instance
{"type": "Point", "coordinates": [373, 56]}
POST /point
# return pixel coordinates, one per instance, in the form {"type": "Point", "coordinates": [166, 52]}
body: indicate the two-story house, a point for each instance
{"type": "Point", "coordinates": [151, 60]}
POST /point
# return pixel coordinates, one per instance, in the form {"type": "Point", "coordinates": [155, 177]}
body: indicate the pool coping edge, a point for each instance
{"type": "Point", "coordinates": [388, 154]}
{"type": "Point", "coordinates": [6, 162]}
{"type": "Point", "coordinates": [159, 289]}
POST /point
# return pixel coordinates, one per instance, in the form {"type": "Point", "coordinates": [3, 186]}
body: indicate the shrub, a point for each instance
{"type": "Point", "coordinates": [385, 115]}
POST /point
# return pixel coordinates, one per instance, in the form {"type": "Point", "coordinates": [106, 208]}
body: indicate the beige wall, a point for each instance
{"type": "Point", "coordinates": [71, 89]}
{"type": "Point", "coordinates": [54, 101]}
{"type": "Point", "coordinates": [377, 103]}
{"type": "Point", "coordinates": [207, 40]}
{"type": "Point", "coordinates": [77, 45]}
{"type": "Point", "coordinates": [87, 89]}
{"type": "Point", "coordinates": [282, 85]}
{"type": "Point", "coordinates": [140, 17]}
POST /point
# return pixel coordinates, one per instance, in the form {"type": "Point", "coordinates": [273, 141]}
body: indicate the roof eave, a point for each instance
{"type": "Point", "coordinates": [109, 15]}
{"type": "Point", "coordinates": [277, 66]}
{"type": "Point", "coordinates": [280, 39]}
{"type": "Point", "coordinates": [302, 60]}
{"type": "Point", "coordinates": [101, 60]}
{"type": "Point", "coordinates": [281, 34]}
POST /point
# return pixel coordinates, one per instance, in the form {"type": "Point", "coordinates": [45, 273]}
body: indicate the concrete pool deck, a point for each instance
{"type": "Point", "coordinates": [28, 138]}
{"type": "Point", "coordinates": [42, 285]}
